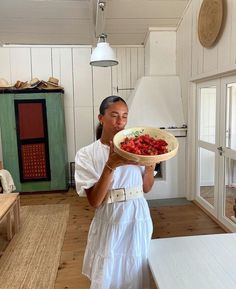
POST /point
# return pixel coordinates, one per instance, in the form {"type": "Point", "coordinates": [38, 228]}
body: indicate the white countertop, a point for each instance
{"type": "Point", "coordinates": [196, 262]}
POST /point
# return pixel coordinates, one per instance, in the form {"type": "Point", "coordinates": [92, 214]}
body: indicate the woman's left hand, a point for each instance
{"type": "Point", "coordinates": [115, 160]}
{"type": "Point", "coordinates": [150, 167]}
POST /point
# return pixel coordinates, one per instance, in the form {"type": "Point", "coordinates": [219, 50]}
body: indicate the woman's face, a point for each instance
{"type": "Point", "coordinates": [115, 117]}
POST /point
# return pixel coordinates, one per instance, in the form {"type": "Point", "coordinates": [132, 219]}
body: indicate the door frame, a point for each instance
{"type": "Point", "coordinates": [226, 153]}
{"type": "Point", "coordinates": [208, 146]}
{"type": "Point", "coordinates": [220, 141]}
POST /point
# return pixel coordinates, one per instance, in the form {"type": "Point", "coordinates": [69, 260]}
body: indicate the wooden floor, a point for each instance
{"type": "Point", "coordinates": [168, 221]}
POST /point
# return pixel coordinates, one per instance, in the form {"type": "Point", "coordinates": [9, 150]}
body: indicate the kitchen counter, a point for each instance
{"type": "Point", "coordinates": [195, 262]}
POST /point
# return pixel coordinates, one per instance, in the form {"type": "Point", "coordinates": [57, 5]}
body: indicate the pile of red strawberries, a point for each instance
{"type": "Point", "coordinates": [144, 145]}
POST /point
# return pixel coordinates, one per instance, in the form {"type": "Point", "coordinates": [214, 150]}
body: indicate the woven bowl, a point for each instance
{"type": "Point", "coordinates": [146, 159]}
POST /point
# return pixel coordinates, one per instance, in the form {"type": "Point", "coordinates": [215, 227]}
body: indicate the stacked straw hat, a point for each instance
{"type": "Point", "coordinates": [21, 84]}
{"type": "Point", "coordinates": [51, 84]}
{"type": "Point", "coordinates": [4, 83]}
{"type": "Point", "coordinates": [34, 82]}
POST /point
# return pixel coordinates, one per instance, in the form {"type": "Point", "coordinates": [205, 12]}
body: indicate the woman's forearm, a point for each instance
{"type": "Point", "coordinates": [148, 178]}
{"type": "Point", "coordinates": [98, 192]}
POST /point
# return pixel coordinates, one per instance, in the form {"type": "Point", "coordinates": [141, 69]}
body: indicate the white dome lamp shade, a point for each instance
{"type": "Point", "coordinates": [103, 55]}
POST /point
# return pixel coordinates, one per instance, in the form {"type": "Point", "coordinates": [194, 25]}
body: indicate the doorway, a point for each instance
{"type": "Point", "coordinates": [216, 148]}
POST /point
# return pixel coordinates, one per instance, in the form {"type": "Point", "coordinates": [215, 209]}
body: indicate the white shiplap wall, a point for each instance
{"type": "Point", "coordinates": [196, 63]}
{"type": "Point", "coordinates": [206, 62]}
{"type": "Point", "coordinates": [84, 86]}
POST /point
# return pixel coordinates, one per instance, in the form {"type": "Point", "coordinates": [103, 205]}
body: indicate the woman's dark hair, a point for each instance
{"type": "Point", "coordinates": [104, 105]}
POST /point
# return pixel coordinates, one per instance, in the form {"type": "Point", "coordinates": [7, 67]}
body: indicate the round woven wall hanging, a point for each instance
{"type": "Point", "coordinates": [209, 21]}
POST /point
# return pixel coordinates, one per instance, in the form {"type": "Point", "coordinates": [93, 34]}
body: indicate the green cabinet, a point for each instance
{"type": "Point", "coordinates": [56, 140]}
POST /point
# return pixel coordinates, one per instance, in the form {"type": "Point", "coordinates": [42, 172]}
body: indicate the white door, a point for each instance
{"type": "Point", "coordinates": [207, 144]}
{"type": "Point", "coordinates": [216, 148]}
{"type": "Point", "coordinates": [227, 166]}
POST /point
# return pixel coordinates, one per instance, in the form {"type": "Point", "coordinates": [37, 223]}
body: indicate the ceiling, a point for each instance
{"type": "Point", "coordinates": [76, 22]}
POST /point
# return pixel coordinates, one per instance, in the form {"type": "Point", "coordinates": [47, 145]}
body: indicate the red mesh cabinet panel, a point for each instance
{"type": "Point", "coordinates": [34, 161]}
{"type": "Point", "coordinates": [30, 120]}
{"type": "Point", "coordinates": [32, 137]}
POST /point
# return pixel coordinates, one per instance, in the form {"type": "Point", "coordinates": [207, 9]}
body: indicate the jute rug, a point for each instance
{"type": "Point", "coordinates": [32, 257]}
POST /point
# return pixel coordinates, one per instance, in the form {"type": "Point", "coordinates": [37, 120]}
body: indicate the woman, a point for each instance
{"type": "Point", "coordinates": [119, 235]}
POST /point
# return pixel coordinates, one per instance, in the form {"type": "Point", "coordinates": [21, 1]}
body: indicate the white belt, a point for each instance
{"type": "Point", "coordinates": [120, 195]}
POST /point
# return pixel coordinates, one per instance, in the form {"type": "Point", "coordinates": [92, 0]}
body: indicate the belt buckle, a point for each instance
{"type": "Point", "coordinates": [120, 195]}
{"type": "Point", "coordinates": [125, 195]}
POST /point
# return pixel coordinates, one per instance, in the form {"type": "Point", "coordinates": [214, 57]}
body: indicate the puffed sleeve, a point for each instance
{"type": "Point", "coordinates": [85, 173]}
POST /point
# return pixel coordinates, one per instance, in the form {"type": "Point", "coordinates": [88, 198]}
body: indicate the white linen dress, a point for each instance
{"type": "Point", "coordinates": [120, 232]}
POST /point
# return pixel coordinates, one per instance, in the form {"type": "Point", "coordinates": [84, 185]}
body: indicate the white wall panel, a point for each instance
{"type": "Point", "coordinates": [233, 34]}
{"type": "Point", "coordinates": [82, 76]}
{"type": "Point", "coordinates": [134, 66]}
{"type": "Point", "coordinates": [210, 61]}
{"type": "Point", "coordinates": [20, 64]}
{"type": "Point", "coordinates": [127, 78]}
{"type": "Point", "coordinates": [83, 126]}
{"type": "Point", "coordinates": [128, 71]}
{"type": "Point", "coordinates": [56, 63]}
{"type": "Point", "coordinates": [187, 42]}
{"type": "Point", "coordinates": [197, 50]}
{"type": "Point", "coordinates": [67, 75]}
{"type": "Point", "coordinates": [162, 43]}
{"type": "Point", "coordinates": [141, 62]}
{"type": "Point", "coordinates": [5, 64]}
{"type": "Point", "coordinates": [70, 133]}
{"type": "Point", "coordinates": [140, 65]}
{"type": "Point", "coordinates": [179, 48]}
{"type": "Point", "coordinates": [147, 56]}
{"type": "Point", "coordinates": [114, 75]}
{"type": "Point", "coordinates": [123, 75]}
{"type": "Point", "coordinates": [184, 54]}
{"type": "Point", "coordinates": [101, 83]}
{"type": "Point", "coordinates": [41, 63]}
{"type": "Point", "coordinates": [66, 80]}
{"type": "Point", "coordinates": [85, 87]}
{"type": "Point", "coordinates": [224, 45]}
{"type": "Point", "coordinates": [221, 57]}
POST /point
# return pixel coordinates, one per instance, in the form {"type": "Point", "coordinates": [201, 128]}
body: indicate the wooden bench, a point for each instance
{"type": "Point", "coordinates": [10, 203]}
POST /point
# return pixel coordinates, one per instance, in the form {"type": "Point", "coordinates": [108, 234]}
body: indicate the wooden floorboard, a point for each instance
{"type": "Point", "coordinates": [168, 221]}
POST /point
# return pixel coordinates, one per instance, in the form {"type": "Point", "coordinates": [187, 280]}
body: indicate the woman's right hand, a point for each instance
{"type": "Point", "coordinates": [115, 160]}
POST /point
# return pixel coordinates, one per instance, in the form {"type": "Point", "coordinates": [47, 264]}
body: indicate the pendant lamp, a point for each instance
{"type": "Point", "coordinates": [103, 55]}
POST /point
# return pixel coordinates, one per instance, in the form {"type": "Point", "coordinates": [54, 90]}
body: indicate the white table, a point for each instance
{"type": "Point", "coordinates": [196, 262]}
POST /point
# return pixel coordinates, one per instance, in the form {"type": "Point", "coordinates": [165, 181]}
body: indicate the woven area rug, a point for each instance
{"type": "Point", "coordinates": [32, 257]}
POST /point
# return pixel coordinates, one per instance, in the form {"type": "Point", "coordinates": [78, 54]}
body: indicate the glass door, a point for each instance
{"type": "Point", "coordinates": [227, 184]}
{"type": "Point", "coordinates": [216, 149]}
{"type": "Point", "coordinates": [207, 145]}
